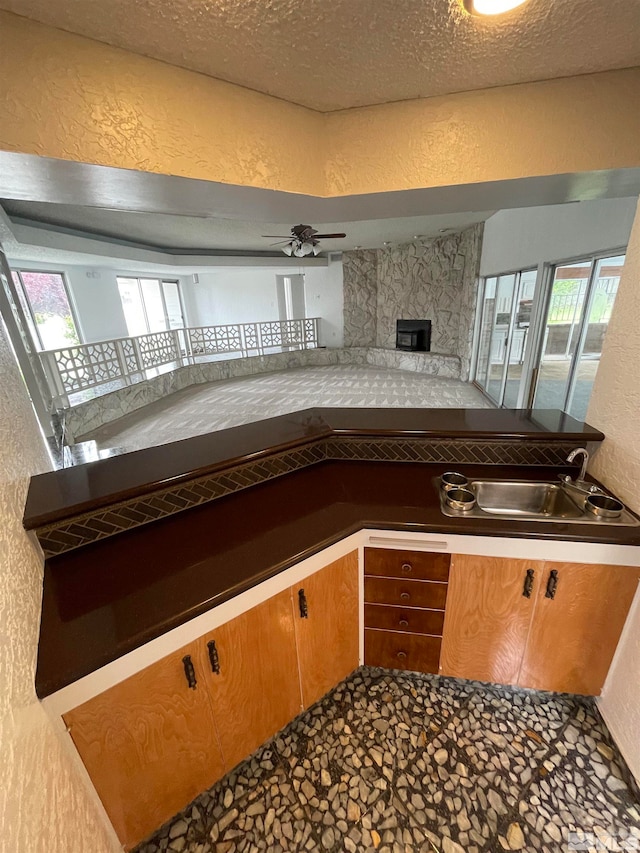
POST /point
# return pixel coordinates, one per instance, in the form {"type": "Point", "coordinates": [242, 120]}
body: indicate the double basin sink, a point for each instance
{"type": "Point", "coordinates": [526, 500]}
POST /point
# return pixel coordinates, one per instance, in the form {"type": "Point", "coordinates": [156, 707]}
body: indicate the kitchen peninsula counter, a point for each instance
{"type": "Point", "coordinates": [110, 596]}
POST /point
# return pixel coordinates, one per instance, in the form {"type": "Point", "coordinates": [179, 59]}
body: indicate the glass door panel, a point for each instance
{"type": "Point", "coordinates": [132, 306]}
{"type": "Point", "coordinates": [173, 304]}
{"type": "Point", "coordinates": [486, 323]}
{"type": "Point", "coordinates": [153, 304]}
{"type": "Point", "coordinates": [498, 347]}
{"type": "Point", "coordinates": [519, 333]}
{"type": "Point", "coordinates": [561, 333]}
{"type": "Point", "coordinates": [597, 315]}
{"type": "Point", "coordinates": [582, 297]}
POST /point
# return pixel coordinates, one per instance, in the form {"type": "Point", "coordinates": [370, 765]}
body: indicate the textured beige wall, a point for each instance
{"type": "Point", "coordinates": [615, 409]}
{"type": "Point", "coordinates": [44, 805]}
{"type": "Point", "coordinates": [68, 97]}
{"type": "Point", "coordinates": [570, 125]}
{"type": "Point", "coordinates": [615, 401]}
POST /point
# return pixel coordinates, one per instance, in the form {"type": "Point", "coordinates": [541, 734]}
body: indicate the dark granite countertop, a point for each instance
{"type": "Point", "coordinates": [64, 494]}
{"type": "Point", "coordinates": [108, 598]}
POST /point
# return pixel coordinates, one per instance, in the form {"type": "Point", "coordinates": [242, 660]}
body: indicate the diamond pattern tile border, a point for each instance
{"type": "Point", "coordinates": [66, 535]}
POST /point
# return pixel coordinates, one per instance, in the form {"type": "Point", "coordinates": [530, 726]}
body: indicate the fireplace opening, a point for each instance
{"type": "Point", "coordinates": [413, 335]}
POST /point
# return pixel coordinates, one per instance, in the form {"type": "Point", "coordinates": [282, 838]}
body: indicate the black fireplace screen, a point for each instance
{"type": "Point", "coordinates": [413, 335]}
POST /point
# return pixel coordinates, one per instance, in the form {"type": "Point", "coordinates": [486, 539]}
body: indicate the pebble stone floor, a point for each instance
{"type": "Point", "coordinates": [396, 762]}
{"type": "Point", "coordinates": [204, 408]}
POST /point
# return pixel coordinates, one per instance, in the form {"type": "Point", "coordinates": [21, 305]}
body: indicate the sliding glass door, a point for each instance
{"type": "Point", "coordinates": [579, 306]}
{"type": "Point", "coordinates": [504, 327]}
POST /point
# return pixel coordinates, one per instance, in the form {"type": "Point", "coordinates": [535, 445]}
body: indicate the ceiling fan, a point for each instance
{"type": "Point", "coordinates": [304, 240]}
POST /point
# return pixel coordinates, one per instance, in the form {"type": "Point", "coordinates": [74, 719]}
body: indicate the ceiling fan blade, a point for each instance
{"type": "Point", "coordinates": [279, 242]}
{"type": "Point", "coordinates": [282, 236]}
{"type": "Point", "coordinates": [328, 236]}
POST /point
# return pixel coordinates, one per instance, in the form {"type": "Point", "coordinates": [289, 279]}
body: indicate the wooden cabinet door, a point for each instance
{"type": "Point", "coordinates": [257, 689]}
{"type": "Point", "coordinates": [149, 745]}
{"type": "Point", "coordinates": [574, 634]}
{"type": "Point", "coordinates": [487, 617]}
{"type": "Point", "coordinates": [328, 636]}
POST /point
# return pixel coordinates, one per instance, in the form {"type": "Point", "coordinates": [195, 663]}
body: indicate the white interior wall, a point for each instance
{"type": "Point", "coordinates": [44, 804]}
{"type": "Point", "coordinates": [223, 295]}
{"type": "Point", "coordinates": [234, 296]}
{"type": "Point", "coordinates": [323, 288]}
{"type": "Point", "coordinates": [530, 236]}
{"type": "Point", "coordinates": [615, 408]}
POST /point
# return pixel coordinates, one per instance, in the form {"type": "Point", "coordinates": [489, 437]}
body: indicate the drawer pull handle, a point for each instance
{"type": "Point", "coordinates": [528, 583]}
{"type": "Point", "coordinates": [406, 568]}
{"type": "Point", "coordinates": [405, 596]}
{"type": "Point", "coordinates": [302, 604]}
{"type": "Point", "coordinates": [403, 623]}
{"type": "Point", "coordinates": [189, 671]}
{"type": "Point", "coordinates": [552, 584]}
{"type": "Point", "coordinates": [401, 655]}
{"type": "Point", "coordinates": [213, 657]}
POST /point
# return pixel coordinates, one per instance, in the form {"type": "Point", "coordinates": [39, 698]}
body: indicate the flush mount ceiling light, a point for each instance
{"type": "Point", "coordinates": [491, 7]}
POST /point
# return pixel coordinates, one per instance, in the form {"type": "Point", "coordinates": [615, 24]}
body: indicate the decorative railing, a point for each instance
{"type": "Point", "coordinates": [126, 360]}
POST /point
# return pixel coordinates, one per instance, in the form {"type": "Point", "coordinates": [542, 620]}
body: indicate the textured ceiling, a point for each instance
{"type": "Point", "coordinates": [336, 54]}
{"type": "Point", "coordinates": [184, 233]}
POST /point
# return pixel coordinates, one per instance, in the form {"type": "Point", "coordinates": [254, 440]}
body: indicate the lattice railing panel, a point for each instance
{"type": "Point", "coordinates": [129, 356]}
{"type": "Point", "coordinates": [209, 340]}
{"type": "Point", "coordinates": [89, 365]}
{"type": "Point", "coordinates": [157, 348]}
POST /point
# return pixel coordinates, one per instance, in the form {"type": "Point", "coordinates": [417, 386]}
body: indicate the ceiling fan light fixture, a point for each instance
{"type": "Point", "coordinates": [491, 7]}
{"type": "Point", "coordinates": [299, 251]}
{"type": "Point", "coordinates": [288, 249]}
{"type": "Point", "coordinates": [316, 249]}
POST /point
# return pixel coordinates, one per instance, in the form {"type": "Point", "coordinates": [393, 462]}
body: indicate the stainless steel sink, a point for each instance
{"type": "Point", "coordinates": [522, 498]}
{"type": "Point", "coordinates": [526, 500]}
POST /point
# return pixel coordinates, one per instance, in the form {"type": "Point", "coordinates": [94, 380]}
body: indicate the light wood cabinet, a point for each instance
{"type": "Point", "coordinates": [574, 634]}
{"type": "Point", "coordinates": [405, 594]}
{"type": "Point", "coordinates": [149, 744]}
{"type": "Point", "coordinates": [155, 741]}
{"type": "Point", "coordinates": [252, 671]}
{"type": "Point", "coordinates": [489, 608]}
{"type": "Point", "coordinates": [326, 623]}
{"type": "Point", "coordinates": [560, 637]}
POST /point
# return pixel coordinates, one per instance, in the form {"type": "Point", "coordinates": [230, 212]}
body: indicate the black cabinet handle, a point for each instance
{"type": "Point", "coordinates": [401, 655]}
{"type": "Point", "coordinates": [403, 623]}
{"type": "Point", "coordinates": [528, 583]}
{"type": "Point", "coordinates": [213, 657]}
{"type": "Point", "coordinates": [405, 596]}
{"type": "Point", "coordinates": [552, 584]}
{"type": "Point", "coordinates": [406, 568]}
{"type": "Point", "coordinates": [189, 671]}
{"type": "Point", "coordinates": [302, 604]}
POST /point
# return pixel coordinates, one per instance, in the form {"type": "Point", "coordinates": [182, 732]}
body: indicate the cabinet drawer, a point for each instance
{"type": "Point", "coordinates": [416, 565]}
{"type": "Point", "coordinates": [405, 593]}
{"type": "Point", "coordinates": [394, 650]}
{"type": "Point", "coordinates": [407, 619]}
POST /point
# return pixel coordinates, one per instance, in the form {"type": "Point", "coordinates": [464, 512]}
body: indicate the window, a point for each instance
{"type": "Point", "coordinates": [505, 307]}
{"type": "Point", "coordinates": [542, 349]}
{"type": "Point", "coordinates": [150, 305]}
{"type": "Point", "coordinates": [47, 308]}
{"type": "Point", "coordinates": [578, 310]}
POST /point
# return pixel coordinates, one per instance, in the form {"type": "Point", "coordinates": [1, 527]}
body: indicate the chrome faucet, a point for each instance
{"type": "Point", "coordinates": [585, 461]}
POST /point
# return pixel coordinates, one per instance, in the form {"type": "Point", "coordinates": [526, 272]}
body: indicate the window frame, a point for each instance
{"type": "Point", "coordinates": [161, 280]}
{"type": "Point", "coordinates": [69, 294]}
